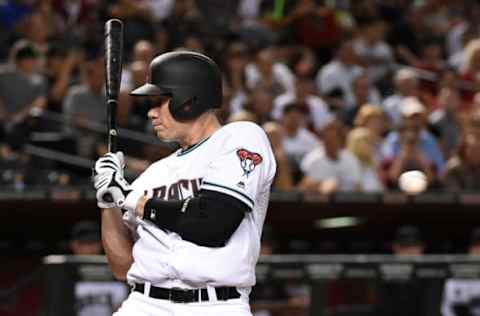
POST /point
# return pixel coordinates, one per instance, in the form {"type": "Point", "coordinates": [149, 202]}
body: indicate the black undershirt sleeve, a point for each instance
{"type": "Point", "coordinates": [209, 219]}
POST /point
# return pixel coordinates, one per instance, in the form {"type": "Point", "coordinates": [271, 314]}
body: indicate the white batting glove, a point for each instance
{"type": "Point", "coordinates": [110, 162]}
{"type": "Point", "coordinates": [112, 189]}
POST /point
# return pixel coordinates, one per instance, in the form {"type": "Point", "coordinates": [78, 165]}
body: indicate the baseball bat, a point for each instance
{"type": "Point", "coordinates": [113, 74]}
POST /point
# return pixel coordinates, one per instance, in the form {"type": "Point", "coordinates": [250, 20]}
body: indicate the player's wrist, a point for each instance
{"type": "Point", "coordinates": [133, 201]}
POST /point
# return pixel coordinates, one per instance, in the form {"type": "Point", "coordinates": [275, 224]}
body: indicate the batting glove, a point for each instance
{"type": "Point", "coordinates": [110, 162]}
{"type": "Point", "coordinates": [112, 189]}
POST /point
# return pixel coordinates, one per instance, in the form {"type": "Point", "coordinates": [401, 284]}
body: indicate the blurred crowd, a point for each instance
{"type": "Point", "coordinates": [351, 93]}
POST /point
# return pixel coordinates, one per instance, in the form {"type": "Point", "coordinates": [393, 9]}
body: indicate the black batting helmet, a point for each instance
{"type": "Point", "coordinates": [192, 80]}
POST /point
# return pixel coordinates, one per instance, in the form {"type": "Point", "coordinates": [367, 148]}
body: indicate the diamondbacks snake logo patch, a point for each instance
{"type": "Point", "coordinates": [248, 160]}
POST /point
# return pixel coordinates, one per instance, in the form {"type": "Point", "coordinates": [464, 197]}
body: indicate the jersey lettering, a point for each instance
{"type": "Point", "coordinates": [178, 190]}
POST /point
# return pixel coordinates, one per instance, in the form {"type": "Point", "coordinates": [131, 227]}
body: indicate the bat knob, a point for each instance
{"type": "Point", "coordinates": [107, 197]}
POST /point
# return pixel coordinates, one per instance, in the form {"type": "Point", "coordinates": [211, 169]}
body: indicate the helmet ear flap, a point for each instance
{"type": "Point", "coordinates": [186, 111]}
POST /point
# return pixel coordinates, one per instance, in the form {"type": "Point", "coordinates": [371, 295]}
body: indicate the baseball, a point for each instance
{"type": "Point", "coordinates": [413, 182]}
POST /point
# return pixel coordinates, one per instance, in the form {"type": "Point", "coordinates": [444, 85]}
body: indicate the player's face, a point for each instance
{"type": "Point", "coordinates": [163, 123]}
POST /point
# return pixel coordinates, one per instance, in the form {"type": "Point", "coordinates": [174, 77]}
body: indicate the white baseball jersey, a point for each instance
{"type": "Point", "coordinates": [236, 160]}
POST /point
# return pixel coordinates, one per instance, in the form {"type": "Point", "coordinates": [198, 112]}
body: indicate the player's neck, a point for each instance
{"type": "Point", "coordinates": [200, 129]}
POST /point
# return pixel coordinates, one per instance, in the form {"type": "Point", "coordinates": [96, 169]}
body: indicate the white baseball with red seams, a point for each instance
{"type": "Point", "coordinates": [236, 160]}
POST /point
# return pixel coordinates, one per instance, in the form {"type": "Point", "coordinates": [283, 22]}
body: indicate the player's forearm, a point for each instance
{"type": "Point", "coordinates": [117, 243]}
{"type": "Point", "coordinates": [209, 219]}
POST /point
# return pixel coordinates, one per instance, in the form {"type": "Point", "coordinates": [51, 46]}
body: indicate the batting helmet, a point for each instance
{"type": "Point", "coordinates": [192, 80]}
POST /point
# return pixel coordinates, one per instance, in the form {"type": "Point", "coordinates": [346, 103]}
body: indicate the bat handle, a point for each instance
{"type": "Point", "coordinates": [112, 140]}
{"type": "Point", "coordinates": [112, 125]}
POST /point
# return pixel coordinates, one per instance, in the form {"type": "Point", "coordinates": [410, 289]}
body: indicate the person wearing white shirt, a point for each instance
{"type": "Point", "coordinates": [319, 112]}
{"type": "Point", "coordinates": [297, 140]}
{"type": "Point", "coordinates": [374, 52]}
{"type": "Point", "coordinates": [265, 70]}
{"type": "Point", "coordinates": [360, 142]}
{"type": "Point", "coordinates": [331, 168]}
{"type": "Point", "coordinates": [335, 79]}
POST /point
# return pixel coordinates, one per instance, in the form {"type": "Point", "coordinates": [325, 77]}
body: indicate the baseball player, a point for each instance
{"type": "Point", "coordinates": [189, 237]}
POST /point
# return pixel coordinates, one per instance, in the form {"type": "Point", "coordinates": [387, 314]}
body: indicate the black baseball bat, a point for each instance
{"type": "Point", "coordinates": [113, 75]}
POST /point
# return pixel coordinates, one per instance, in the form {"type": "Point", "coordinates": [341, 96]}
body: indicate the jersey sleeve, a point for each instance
{"type": "Point", "coordinates": [244, 165]}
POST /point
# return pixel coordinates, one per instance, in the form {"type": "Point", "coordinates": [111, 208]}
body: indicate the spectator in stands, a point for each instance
{"type": "Point", "coordinates": [84, 104]}
{"type": "Point", "coordinates": [267, 71]}
{"type": "Point", "coordinates": [94, 298]}
{"type": "Point", "coordinates": [475, 104]}
{"type": "Point", "coordinates": [374, 53]}
{"type": "Point", "coordinates": [463, 169]}
{"type": "Point", "coordinates": [234, 63]}
{"type": "Point", "coordinates": [61, 67]}
{"type": "Point", "coordinates": [335, 79]}
{"type": "Point", "coordinates": [360, 143]}
{"type": "Point", "coordinates": [470, 68]}
{"type": "Point", "coordinates": [409, 296]}
{"type": "Point", "coordinates": [37, 30]}
{"type": "Point", "coordinates": [185, 19]}
{"type": "Point", "coordinates": [138, 18]}
{"type": "Point", "coordinates": [409, 157]}
{"type": "Point", "coordinates": [261, 103]}
{"type": "Point", "coordinates": [316, 25]}
{"type": "Point", "coordinates": [296, 139]}
{"type": "Point", "coordinates": [445, 121]}
{"type": "Point", "coordinates": [407, 35]}
{"type": "Point", "coordinates": [304, 93]}
{"type": "Point", "coordinates": [373, 118]}
{"type": "Point", "coordinates": [138, 106]}
{"type": "Point", "coordinates": [474, 245]}
{"type": "Point", "coordinates": [283, 178]}
{"type": "Point", "coordinates": [330, 168]}
{"type": "Point", "coordinates": [12, 16]}
{"type": "Point", "coordinates": [85, 239]}
{"type": "Point", "coordinates": [80, 18]}
{"type": "Point", "coordinates": [408, 241]}
{"type": "Point", "coordinates": [303, 63]}
{"type": "Point", "coordinates": [143, 51]}
{"type": "Point", "coordinates": [414, 140]}
{"type": "Point", "coordinates": [406, 85]}
{"type": "Point", "coordinates": [22, 94]}
{"type": "Point", "coordinates": [364, 92]}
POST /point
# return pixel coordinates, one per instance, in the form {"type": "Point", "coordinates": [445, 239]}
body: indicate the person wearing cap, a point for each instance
{"type": "Point", "coordinates": [414, 121]}
{"type": "Point", "coordinates": [408, 242]}
{"type": "Point", "coordinates": [409, 296]}
{"type": "Point", "coordinates": [85, 239]}
{"type": "Point", "coordinates": [22, 93]}
{"type": "Point", "coordinates": [406, 85]}
{"type": "Point", "coordinates": [94, 298]}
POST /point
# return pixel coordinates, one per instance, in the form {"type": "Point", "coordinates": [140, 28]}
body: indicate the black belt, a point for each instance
{"type": "Point", "coordinates": [179, 295]}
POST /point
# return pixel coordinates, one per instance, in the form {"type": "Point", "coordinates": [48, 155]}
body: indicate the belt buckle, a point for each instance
{"type": "Point", "coordinates": [179, 295]}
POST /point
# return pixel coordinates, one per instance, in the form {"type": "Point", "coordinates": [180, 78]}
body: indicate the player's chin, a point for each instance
{"type": "Point", "coordinates": [163, 135]}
